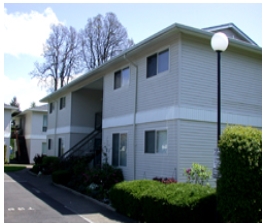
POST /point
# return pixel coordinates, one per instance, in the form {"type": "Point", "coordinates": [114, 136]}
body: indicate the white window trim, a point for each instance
{"type": "Point", "coordinates": [161, 73]}
{"type": "Point", "coordinates": [124, 86]}
{"type": "Point", "coordinates": [156, 130]}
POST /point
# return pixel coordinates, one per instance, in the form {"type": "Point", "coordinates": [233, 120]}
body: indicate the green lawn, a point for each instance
{"type": "Point", "coordinates": [13, 167]}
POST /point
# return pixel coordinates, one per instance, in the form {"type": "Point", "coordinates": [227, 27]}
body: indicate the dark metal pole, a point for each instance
{"type": "Point", "coordinates": [218, 111]}
{"type": "Point", "coordinates": [218, 95]}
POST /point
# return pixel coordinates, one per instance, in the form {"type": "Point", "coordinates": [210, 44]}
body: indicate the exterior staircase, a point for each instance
{"type": "Point", "coordinates": [89, 146]}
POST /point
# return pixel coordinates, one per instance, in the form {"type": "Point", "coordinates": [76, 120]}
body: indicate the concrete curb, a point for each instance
{"type": "Point", "coordinates": [76, 192]}
{"type": "Point", "coordinates": [85, 196]}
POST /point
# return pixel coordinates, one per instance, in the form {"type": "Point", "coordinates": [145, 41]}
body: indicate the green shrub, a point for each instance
{"type": "Point", "coordinates": [38, 159]}
{"type": "Point", "coordinates": [50, 164]}
{"type": "Point", "coordinates": [239, 188]}
{"type": "Point", "coordinates": [152, 201]}
{"type": "Point", "coordinates": [61, 177]}
{"type": "Point", "coordinates": [36, 168]}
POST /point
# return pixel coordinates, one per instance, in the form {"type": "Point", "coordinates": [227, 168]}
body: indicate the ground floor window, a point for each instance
{"type": "Point", "coordinates": [60, 147]}
{"type": "Point", "coordinates": [44, 148]}
{"type": "Point", "coordinates": [119, 156]}
{"type": "Point", "coordinates": [49, 144]}
{"type": "Point", "coordinates": [156, 141]}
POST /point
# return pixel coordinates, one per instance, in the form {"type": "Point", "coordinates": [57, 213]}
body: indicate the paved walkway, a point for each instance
{"type": "Point", "coordinates": [88, 208]}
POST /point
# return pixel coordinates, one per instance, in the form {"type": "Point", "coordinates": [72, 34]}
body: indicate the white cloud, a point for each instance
{"type": "Point", "coordinates": [26, 33]}
{"type": "Point", "coordinates": [25, 89]}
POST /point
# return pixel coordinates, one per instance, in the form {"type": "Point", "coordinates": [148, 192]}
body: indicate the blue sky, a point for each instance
{"type": "Point", "coordinates": [26, 27]}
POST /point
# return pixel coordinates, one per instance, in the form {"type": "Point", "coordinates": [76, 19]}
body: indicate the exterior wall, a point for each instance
{"type": "Point", "coordinates": [85, 104]}
{"type": "Point", "coordinates": [27, 121]}
{"type": "Point", "coordinates": [34, 147]}
{"type": "Point", "coordinates": [156, 98]}
{"type": "Point", "coordinates": [7, 130]}
{"type": "Point", "coordinates": [150, 165]}
{"type": "Point", "coordinates": [240, 77]}
{"type": "Point", "coordinates": [240, 104]}
{"type": "Point", "coordinates": [123, 97]}
{"type": "Point", "coordinates": [59, 124]}
{"type": "Point", "coordinates": [74, 121]}
{"type": "Point", "coordinates": [159, 91]}
{"type": "Point", "coordinates": [231, 34]}
{"type": "Point", "coordinates": [33, 133]}
{"type": "Point", "coordinates": [183, 100]}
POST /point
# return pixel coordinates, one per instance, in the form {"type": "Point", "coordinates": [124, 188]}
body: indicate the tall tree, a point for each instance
{"type": "Point", "coordinates": [33, 105]}
{"type": "Point", "coordinates": [14, 102]}
{"type": "Point", "coordinates": [61, 56]}
{"type": "Point", "coordinates": [102, 38]}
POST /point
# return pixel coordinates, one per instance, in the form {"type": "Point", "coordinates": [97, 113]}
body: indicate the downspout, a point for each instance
{"type": "Point", "coordinates": [135, 111]}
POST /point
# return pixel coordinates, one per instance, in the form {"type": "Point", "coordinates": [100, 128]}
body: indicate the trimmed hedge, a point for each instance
{"type": "Point", "coordinates": [153, 201]}
{"type": "Point", "coordinates": [61, 177]}
{"type": "Point", "coordinates": [239, 189]}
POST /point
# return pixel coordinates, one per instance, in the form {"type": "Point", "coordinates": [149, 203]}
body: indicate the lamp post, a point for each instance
{"type": "Point", "coordinates": [219, 43]}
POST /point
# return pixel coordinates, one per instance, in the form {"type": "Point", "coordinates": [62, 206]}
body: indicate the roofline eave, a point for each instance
{"type": "Point", "coordinates": [98, 72]}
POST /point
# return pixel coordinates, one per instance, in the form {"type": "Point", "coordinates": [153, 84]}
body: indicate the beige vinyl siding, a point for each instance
{"type": "Point", "coordinates": [197, 143]}
{"type": "Point", "coordinates": [231, 34]}
{"type": "Point", "coordinates": [52, 116]}
{"type": "Point", "coordinates": [242, 84]}
{"type": "Point", "coordinates": [64, 114]}
{"type": "Point", "coordinates": [240, 79]}
{"type": "Point", "coordinates": [150, 165]}
{"type": "Point", "coordinates": [119, 101]}
{"type": "Point", "coordinates": [160, 90]}
{"type": "Point", "coordinates": [85, 104]}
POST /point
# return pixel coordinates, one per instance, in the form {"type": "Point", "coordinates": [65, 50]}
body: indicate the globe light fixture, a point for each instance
{"type": "Point", "coordinates": [219, 42]}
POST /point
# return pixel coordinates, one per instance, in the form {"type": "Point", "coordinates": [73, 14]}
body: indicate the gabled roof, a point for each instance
{"type": "Point", "coordinates": [234, 32]}
{"type": "Point", "coordinates": [99, 72]}
{"type": "Point", "coordinates": [42, 108]}
{"type": "Point", "coordinates": [6, 106]}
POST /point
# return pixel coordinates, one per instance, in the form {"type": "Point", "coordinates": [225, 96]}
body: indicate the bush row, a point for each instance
{"type": "Point", "coordinates": [153, 201]}
{"type": "Point", "coordinates": [94, 182]}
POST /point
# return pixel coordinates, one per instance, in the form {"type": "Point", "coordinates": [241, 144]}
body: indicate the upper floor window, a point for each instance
{"type": "Point", "coordinates": [121, 78]}
{"type": "Point", "coordinates": [51, 107]}
{"type": "Point", "coordinates": [62, 102]}
{"type": "Point", "coordinates": [157, 63]}
{"type": "Point", "coordinates": [45, 123]}
{"type": "Point", "coordinates": [156, 141]}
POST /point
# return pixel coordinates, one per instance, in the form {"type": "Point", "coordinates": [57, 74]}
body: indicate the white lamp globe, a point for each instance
{"type": "Point", "coordinates": [219, 42]}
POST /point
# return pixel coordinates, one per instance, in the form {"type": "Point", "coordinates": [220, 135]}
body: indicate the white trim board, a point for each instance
{"type": "Point", "coordinates": [175, 112]}
{"type": "Point", "coordinates": [69, 129]}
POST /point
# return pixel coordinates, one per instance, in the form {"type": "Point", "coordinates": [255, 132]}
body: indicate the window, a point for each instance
{"type": "Point", "coordinates": [119, 157]}
{"type": "Point", "coordinates": [44, 148]}
{"type": "Point", "coordinates": [121, 78]}
{"type": "Point", "coordinates": [156, 141]}
{"type": "Point", "coordinates": [45, 123]}
{"type": "Point", "coordinates": [49, 144]}
{"type": "Point", "coordinates": [51, 107]}
{"type": "Point", "coordinates": [62, 103]}
{"type": "Point", "coordinates": [61, 147]}
{"type": "Point", "coordinates": [157, 63]}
